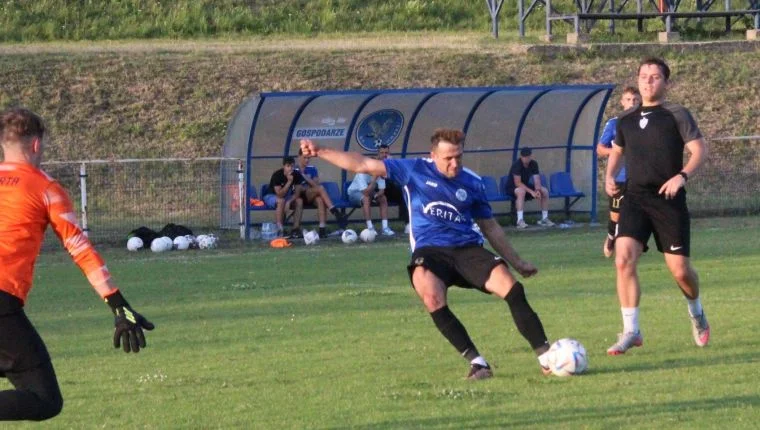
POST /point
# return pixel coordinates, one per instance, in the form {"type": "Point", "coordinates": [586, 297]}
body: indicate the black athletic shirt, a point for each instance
{"type": "Point", "coordinates": [279, 179]}
{"type": "Point", "coordinates": [653, 138]}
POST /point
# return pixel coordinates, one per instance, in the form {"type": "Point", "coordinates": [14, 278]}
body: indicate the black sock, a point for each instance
{"type": "Point", "coordinates": [611, 226]}
{"type": "Point", "coordinates": [527, 321]}
{"type": "Point", "coordinates": [454, 332]}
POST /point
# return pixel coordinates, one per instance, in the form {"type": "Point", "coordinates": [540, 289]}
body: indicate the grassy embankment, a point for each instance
{"type": "Point", "coordinates": [182, 19]}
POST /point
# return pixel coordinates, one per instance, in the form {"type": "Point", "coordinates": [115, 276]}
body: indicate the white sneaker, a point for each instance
{"type": "Point", "coordinates": [521, 224]}
{"type": "Point", "coordinates": [546, 222]}
{"type": "Point", "coordinates": [388, 232]}
{"type": "Point", "coordinates": [700, 329]}
{"type": "Point", "coordinates": [625, 342]}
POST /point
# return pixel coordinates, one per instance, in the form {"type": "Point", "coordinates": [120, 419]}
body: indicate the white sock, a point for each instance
{"type": "Point", "coordinates": [385, 223]}
{"type": "Point", "coordinates": [543, 359]}
{"type": "Point", "coordinates": [544, 214]}
{"type": "Point", "coordinates": [322, 224]}
{"type": "Point", "coordinates": [630, 320]}
{"type": "Point", "coordinates": [479, 360]}
{"type": "Point", "coordinates": [370, 226]}
{"type": "Point", "coordinates": [519, 216]}
{"type": "Point", "coordinates": [695, 307]}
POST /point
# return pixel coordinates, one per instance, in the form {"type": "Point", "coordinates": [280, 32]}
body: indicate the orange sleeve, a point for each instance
{"type": "Point", "coordinates": [64, 222]}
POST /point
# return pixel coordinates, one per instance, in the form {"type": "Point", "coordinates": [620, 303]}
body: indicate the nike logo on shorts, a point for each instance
{"type": "Point", "coordinates": [675, 248]}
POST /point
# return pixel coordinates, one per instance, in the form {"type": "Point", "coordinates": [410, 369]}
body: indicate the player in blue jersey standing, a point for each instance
{"type": "Point", "coordinates": [444, 199]}
{"type": "Point", "coordinates": [629, 100]}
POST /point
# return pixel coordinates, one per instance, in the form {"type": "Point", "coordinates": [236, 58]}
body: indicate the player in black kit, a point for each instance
{"type": "Point", "coordinates": [653, 137]}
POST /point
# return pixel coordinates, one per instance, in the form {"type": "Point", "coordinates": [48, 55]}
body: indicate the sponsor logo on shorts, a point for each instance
{"type": "Point", "coordinates": [675, 248]}
{"type": "Point", "coordinates": [419, 261]}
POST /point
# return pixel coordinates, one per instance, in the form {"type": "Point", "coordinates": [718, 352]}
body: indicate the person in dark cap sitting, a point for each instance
{"type": "Point", "coordinates": [524, 184]}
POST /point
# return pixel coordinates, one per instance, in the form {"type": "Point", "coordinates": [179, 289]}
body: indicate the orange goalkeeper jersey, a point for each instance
{"type": "Point", "coordinates": [29, 201]}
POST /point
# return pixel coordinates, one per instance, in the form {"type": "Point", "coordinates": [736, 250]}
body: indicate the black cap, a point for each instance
{"type": "Point", "coordinates": [525, 152]}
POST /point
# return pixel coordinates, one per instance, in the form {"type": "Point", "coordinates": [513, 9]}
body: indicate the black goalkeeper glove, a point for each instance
{"type": "Point", "coordinates": [128, 324]}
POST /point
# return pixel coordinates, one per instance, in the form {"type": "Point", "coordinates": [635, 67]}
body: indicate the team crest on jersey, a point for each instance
{"type": "Point", "coordinates": [379, 128]}
{"type": "Point", "coordinates": [461, 195]}
{"type": "Point", "coordinates": [643, 123]}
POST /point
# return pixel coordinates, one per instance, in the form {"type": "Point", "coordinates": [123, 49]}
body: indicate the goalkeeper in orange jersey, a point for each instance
{"type": "Point", "coordinates": [29, 201]}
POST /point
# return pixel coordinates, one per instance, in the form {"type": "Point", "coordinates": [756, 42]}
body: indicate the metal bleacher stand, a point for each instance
{"type": "Point", "coordinates": [667, 10]}
{"type": "Point", "coordinates": [587, 13]}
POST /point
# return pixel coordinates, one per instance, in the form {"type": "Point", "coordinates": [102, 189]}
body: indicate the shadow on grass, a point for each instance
{"type": "Point", "coordinates": [568, 416]}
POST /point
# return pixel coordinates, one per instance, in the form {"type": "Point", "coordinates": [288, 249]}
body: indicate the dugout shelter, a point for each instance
{"type": "Point", "coordinates": [560, 123]}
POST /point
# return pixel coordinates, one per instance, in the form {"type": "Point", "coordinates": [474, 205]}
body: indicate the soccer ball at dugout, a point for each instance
{"type": "Point", "coordinates": [368, 235]}
{"type": "Point", "coordinates": [207, 241]}
{"type": "Point", "coordinates": [348, 236]}
{"type": "Point", "coordinates": [311, 237]}
{"type": "Point", "coordinates": [567, 357]}
{"type": "Point", "coordinates": [134, 244]}
{"type": "Point", "coordinates": [181, 243]}
{"type": "Point", "coordinates": [158, 245]}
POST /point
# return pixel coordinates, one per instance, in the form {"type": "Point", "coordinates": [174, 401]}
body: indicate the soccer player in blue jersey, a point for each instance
{"type": "Point", "coordinates": [444, 199]}
{"type": "Point", "coordinates": [630, 99]}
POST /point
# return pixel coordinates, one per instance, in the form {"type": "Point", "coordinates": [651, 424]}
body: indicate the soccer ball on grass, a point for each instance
{"type": "Point", "coordinates": [348, 236]}
{"type": "Point", "coordinates": [134, 244]}
{"type": "Point", "coordinates": [368, 235]}
{"type": "Point", "coordinates": [567, 357]}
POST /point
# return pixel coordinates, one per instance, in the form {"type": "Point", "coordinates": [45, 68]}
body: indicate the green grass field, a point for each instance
{"type": "Point", "coordinates": [333, 337]}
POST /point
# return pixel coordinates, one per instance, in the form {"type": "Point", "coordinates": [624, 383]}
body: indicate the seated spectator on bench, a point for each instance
{"type": "Point", "coordinates": [365, 190]}
{"type": "Point", "coordinates": [524, 184]}
{"type": "Point", "coordinates": [395, 194]}
{"type": "Point", "coordinates": [315, 194]}
{"type": "Point", "coordinates": [285, 189]}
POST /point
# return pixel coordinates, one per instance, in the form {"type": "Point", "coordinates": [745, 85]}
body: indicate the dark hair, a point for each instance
{"type": "Point", "coordinates": [631, 90]}
{"type": "Point", "coordinates": [20, 124]}
{"type": "Point", "coordinates": [288, 160]}
{"type": "Point", "coordinates": [659, 62]}
{"type": "Point", "coordinates": [526, 152]}
{"type": "Point", "coordinates": [447, 134]}
{"type": "Point", "coordinates": [300, 151]}
{"type": "Point", "coordinates": [382, 146]}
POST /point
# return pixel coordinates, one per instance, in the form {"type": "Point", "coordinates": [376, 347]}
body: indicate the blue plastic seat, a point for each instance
{"type": "Point", "coordinates": [492, 190]}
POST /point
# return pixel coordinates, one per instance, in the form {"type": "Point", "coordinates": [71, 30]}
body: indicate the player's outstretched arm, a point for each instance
{"type": "Point", "coordinates": [495, 234]}
{"type": "Point", "coordinates": [352, 161]}
{"type": "Point", "coordinates": [129, 325]}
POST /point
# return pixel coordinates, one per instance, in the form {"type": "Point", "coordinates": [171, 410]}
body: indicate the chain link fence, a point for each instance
{"type": "Point", "coordinates": [113, 197]}
{"type": "Point", "coordinates": [725, 185]}
{"type": "Point", "coordinates": [203, 194]}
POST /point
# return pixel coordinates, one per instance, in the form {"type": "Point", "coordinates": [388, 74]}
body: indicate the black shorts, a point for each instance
{"type": "Point", "coordinates": [464, 266]}
{"type": "Point", "coordinates": [617, 198]}
{"type": "Point", "coordinates": [21, 347]}
{"type": "Point", "coordinates": [642, 215]}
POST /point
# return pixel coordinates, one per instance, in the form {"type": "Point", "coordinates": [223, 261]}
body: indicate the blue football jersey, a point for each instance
{"type": "Point", "coordinates": [608, 135]}
{"type": "Point", "coordinates": [441, 210]}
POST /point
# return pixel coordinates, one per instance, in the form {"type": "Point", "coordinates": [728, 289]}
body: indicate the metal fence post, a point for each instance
{"type": "Point", "coordinates": [83, 196]}
{"type": "Point", "coordinates": [241, 197]}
